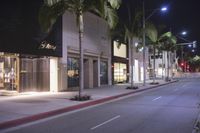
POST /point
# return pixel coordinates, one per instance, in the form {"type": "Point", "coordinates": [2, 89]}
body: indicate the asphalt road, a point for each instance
{"type": "Point", "coordinates": [169, 109]}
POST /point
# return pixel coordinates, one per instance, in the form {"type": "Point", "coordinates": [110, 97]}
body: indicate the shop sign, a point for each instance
{"type": "Point", "coordinates": [47, 45]}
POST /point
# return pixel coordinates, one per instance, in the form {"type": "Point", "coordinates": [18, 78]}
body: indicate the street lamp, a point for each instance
{"type": "Point", "coordinates": [184, 33]}
{"type": "Point", "coordinates": [187, 42]}
{"type": "Point", "coordinates": [163, 9]}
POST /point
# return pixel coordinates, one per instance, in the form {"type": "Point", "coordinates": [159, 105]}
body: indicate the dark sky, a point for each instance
{"type": "Point", "coordinates": [181, 15]}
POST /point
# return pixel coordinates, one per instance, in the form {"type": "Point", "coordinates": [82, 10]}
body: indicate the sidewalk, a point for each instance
{"type": "Point", "coordinates": [28, 107]}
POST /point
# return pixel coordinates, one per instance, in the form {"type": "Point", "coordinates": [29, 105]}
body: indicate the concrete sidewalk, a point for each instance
{"type": "Point", "coordinates": [28, 107]}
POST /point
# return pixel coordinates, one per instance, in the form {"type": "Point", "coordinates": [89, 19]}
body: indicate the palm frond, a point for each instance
{"type": "Point", "coordinates": [115, 4]}
{"type": "Point", "coordinates": [152, 32]}
{"type": "Point", "coordinates": [48, 14]}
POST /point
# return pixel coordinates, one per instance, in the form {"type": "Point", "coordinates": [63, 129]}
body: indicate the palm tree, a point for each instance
{"type": "Point", "coordinates": [52, 9]}
{"type": "Point", "coordinates": [156, 40]}
{"type": "Point", "coordinates": [168, 44]}
{"type": "Point", "coordinates": [132, 30]}
{"type": "Point", "coordinates": [125, 31]}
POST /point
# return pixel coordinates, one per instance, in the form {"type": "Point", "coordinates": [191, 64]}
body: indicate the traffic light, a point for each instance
{"type": "Point", "coordinates": [182, 64]}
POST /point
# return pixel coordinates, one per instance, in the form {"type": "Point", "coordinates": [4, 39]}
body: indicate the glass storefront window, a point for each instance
{"type": "Point", "coordinates": [73, 72]}
{"type": "Point", "coordinates": [8, 72]}
{"type": "Point", "coordinates": [103, 72]}
{"type": "Point", "coordinates": [120, 72]}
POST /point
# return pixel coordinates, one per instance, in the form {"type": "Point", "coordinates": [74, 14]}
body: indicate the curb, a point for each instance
{"type": "Point", "coordinates": [24, 120]}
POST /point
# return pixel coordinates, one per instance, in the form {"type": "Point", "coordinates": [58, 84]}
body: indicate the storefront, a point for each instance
{"type": "Point", "coordinates": [120, 62]}
{"type": "Point", "coordinates": [28, 56]}
{"type": "Point", "coordinates": [95, 72]}
{"type": "Point", "coordinates": [27, 73]}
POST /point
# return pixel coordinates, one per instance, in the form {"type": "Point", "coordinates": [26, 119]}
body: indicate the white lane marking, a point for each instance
{"type": "Point", "coordinates": [105, 122]}
{"type": "Point", "coordinates": [157, 98]}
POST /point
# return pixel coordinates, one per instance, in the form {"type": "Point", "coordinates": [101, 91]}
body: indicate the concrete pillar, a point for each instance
{"type": "Point", "coordinates": [53, 75]}
{"type": "Point", "coordinates": [91, 73]}
{"type": "Point", "coordinates": [109, 72]}
{"type": "Point", "coordinates": [62, 70]}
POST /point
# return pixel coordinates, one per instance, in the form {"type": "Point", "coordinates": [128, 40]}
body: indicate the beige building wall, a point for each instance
{"type": "Point", "coordinates": [96, 46]}
{"type": "Point", "coordinates": [137, 58]}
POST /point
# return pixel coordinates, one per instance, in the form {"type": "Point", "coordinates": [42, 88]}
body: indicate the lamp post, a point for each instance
{"type": "Point", "coordinates": [144, 19]}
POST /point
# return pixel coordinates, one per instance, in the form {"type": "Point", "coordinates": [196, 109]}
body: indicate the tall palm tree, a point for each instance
{"type": "Point", "coordinates": [52, 9]}
{"type": "Point", "coordinates": [132, 30]}
{"type": "Point", "coordinates": [156, 40]}
{"type": "Point", "coordinates": [126, 30]}
{"type": "Point", "coordinates": [168, 44]}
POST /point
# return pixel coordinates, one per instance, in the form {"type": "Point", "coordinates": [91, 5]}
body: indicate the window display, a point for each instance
{"type": "Point", "coordinates": [120, 73]}
{"type": "Point", "coordinates": [8, 67]}
{"type": "Point", "coordinates": [73, 72]}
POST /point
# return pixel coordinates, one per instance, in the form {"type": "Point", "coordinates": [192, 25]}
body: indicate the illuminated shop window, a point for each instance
{"type": "Point", "coordinates": [8, 72]}
{"type": "Point", "coordinates": [120, 72]}
{"type": "Point", "coordinates": [73, 72]}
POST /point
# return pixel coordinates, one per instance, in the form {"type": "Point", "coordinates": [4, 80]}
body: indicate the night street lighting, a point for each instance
{"type": "Point", "coordinates": [163, 9]}
{"type": "Point", "coordinates": [187, 43]}
{"type": "Point", "coordinates": [184, 33]}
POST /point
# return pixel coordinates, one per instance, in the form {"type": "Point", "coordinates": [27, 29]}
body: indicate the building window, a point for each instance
{"type": "Point", "coordinates": [8, 72]}
{"type": "Point", "coordinates": [120, 72]}
{"type": "Point", "coordinates": [120, 49]}
{"type": "Point", "coordinates": [73, 72]}
{"type": "Point", "coordinates": [104, 72]}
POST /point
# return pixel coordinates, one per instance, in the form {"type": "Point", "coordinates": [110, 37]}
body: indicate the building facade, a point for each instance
{"type": "Point", "coordinates": [28, 56]}
{"type": "Point", "coordinates": [121, 62]}
{"type": "Point", "coordinates": [163, 62]}
{"type": "Point", "coordinates": [97, 53]}
{"type": "Point", "coordinates": [31, 60]}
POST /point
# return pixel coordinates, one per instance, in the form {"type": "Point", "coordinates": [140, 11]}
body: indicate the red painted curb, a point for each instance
{"type": "Point", "coordinates": [20, 121]}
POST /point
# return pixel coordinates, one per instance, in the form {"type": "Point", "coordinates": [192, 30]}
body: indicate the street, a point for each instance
{"type": "Point", "coordinates": [173, 108]}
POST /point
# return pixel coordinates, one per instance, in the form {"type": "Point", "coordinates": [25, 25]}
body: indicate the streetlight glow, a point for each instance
{"type": "Point", "coordinates": [184, 33]}
{"type": "Point", "coordinates": [163, 9]}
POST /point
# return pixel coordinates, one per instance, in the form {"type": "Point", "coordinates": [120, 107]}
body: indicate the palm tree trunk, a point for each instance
{"type": "Point", "coordinates": [81, 69]}
{"type": "Point", "coordinates": [167, 65]}
{"type": "Point", "coordinates": [162, 65]}
{"type": "Point", "coordinates": [131, 61]}
{"type": "Point", "coordinates": [154, 62]}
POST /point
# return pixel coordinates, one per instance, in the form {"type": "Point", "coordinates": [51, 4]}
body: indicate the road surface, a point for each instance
{"type": "Point", "coordinates": [168, 109]}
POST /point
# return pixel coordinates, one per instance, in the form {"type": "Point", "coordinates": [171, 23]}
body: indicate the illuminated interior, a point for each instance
{"type": "Point", "coordinates": [8, 71]}
{"type": "Point", "coordinates": [120, 73]}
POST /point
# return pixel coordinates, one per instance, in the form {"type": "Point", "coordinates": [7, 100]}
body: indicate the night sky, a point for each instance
{"type": "Point", "coordinates": [181, 15]}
